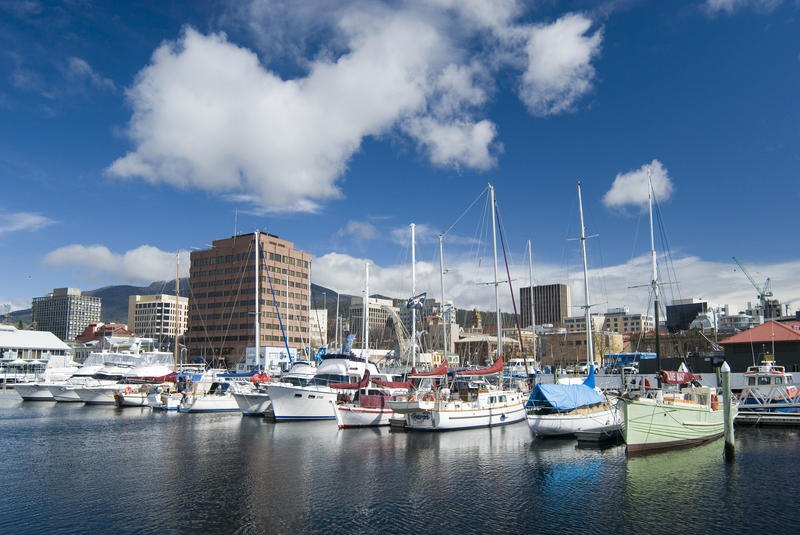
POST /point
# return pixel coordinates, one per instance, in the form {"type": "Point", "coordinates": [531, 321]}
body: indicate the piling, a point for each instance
{"type": "Point", "coordinates": [725, 375]}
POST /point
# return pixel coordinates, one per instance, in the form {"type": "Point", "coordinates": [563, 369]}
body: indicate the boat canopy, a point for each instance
{"type": "Point", "coordinates": [672, 377]}
{"type": "Point", "coordinates": [352, 386]}
{"type": "Point", "coordinates": [497, 367]}
{"type": "Point", "coordinates": [392, 384]}
{"type": "Point", "coordinates": [564, 397]}
{"type": "Point", "coordinates": [440, 370]}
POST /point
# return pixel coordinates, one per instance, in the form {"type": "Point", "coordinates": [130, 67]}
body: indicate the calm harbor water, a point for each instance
{"type": "Point", "coordinates": [74, 469]}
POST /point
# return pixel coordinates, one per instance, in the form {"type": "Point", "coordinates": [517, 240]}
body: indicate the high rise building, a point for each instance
{"type": "Point", "coordinates": [379, 312]}
{"type": "Point", "coordinates": [155, 316]}
{"type": "Point", "coordinates": [682, 312]}
{"type": "Point", "coordinates": [551, 302]}
{"type": "Point", "coordinates": [65, 312]}
{"type": "Point", "coordinates": [222, 296]}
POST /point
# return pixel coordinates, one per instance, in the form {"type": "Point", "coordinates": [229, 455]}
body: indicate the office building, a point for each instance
{"type": "Point", "coordinates": [65, 312]}
{"type": "Point", "coordinates": [222, 296]}
{"type": "Point", "coordinates": [620, 320]}
{"type": "Point", "coordinates": [156, 316]}
{"type": "Point", "coordinates": [682, 312]}
{"type": "Point", "coordinates": [379, 311]}
{"type": "Point", "coordinates": [551, 304]}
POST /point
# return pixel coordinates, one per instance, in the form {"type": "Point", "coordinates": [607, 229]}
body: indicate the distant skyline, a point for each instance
{"type": "Point", "coordinates": [133, 134]}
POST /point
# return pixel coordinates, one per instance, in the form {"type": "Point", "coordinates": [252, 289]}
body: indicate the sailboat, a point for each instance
{"type": "Point", "coordinates": [567, 409]}
{"type": "Point", "coordinates": [689, 414]}
{"type": "Point", "coordinates": [467, 399]}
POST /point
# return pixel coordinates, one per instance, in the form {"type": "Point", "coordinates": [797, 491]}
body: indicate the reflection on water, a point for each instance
{"type": "Point", "coordinates": [75, 469]}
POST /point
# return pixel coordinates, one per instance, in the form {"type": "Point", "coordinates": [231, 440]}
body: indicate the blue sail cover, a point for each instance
{"type": "Point", "coordinates": [564, 397]}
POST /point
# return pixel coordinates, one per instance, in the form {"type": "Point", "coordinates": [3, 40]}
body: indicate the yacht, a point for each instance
{"type": "Point", "coordinates": [255, 400]}
{"type": "Point", "coordinates": [316, 400]}
{"type": "Point", "coordinates": [123, 370]}
{"type": "Point", "coordinates": [59, 369]}
{"type": "Point", "coordinates": [768, 388]}
{"type": "Point", "coordinates": [368, 405]}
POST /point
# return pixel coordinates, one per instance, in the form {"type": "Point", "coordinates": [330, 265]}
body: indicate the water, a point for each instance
{"type": "Point", "coordinates": [73, 469]}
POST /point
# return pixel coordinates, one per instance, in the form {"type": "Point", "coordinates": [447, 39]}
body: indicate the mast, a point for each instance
{"type": "Point", "coordinates": [496, 287]}
{"type": "Point", "coordinates": [413, 294]}
{"type": "Point", "coordinates": [336, 327]}
{"type": "Point", "coordinates": [654, 282]}
{"type": "Point", "coordinates": [365, 315]}
{"type": "Point", "coordinates": [177, 315]}
{"type": "Point", "coordinates": [257, 315]}
{"type": "Point", "coordinates": [533, 309]}
{"type": "Point", "coordinates": [441, 280]}
{"type": "Point", "coordinates": [309, 311]}
{"type": "Point", "coordinates": [589, 342]}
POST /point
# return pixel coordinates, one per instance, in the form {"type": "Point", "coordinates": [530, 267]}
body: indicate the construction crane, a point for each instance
{"type": "Point", "coordinates": [764, 291]}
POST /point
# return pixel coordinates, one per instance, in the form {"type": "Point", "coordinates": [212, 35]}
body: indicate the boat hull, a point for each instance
{"type": "Point", "coordinates": [302, 403]}
{"type": "Point", "coordinates": [211, 403]}
{"type": "Point", "coordinates": [97, 395]}
{"type": "Point", "coordinates": [450, 416]}
{"type": "Point", "coordinates": [253, 403]}
{"type": "Point", "coordinates": [607, 419]}
{"type": "Point", "coordinates": [34, 392]}
{"type": "Point", "coordinates": [65, 394]}
{"type": "Point", "coordinates": [351, 415]}
{"type": "Point", "coordinates": [651, 424]}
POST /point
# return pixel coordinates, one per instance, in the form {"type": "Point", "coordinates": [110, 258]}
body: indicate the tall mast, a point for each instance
{"type": "Point", "coordinates": [496, 287]}
{"type": "Point", "coordinates": [336, 327]}
{"type": "Point", "coordinates": [257, 315]}
{"type": "Point", "coordinates": [287, 304]}
{"type": "Point", "coordinates": [413, 294]}
{"type": "Point", "coordinates": [533, 308]}
{"type": "Point", "coordinates": [441, 280]}
{"type": "Point", "coordinates": [177, 314]}
{"type": "Point", "coordinates": [309, 311]}
{"type": "Point", "coordinates": [654, 282]}
{"type": "Point", "coordinates": [589, 344]}
{"type": "Point", "coordinates": [365, 314]}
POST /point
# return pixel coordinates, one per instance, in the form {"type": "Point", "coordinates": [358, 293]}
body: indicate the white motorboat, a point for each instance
{"type": "Point", "coordinates": [316, 400]}
{"type": "Point", "coordinates": [768, 388]}
{"type": "Point", "coordinates": [219, 398]}
{"type": "Point", "coordinates": [255, 401]}
{"type": "Point", "coordinates": [59, 369]}
{"type": "Point", "coordinates": [122, 371]}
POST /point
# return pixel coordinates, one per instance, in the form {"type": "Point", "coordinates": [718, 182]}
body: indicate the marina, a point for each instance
{"type": "Point", "coordinates": [227, 474]}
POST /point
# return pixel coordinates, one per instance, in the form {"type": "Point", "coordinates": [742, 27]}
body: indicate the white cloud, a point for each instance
{"type": "Point", "coordinates": [713, 7]}
{"type": "Point", "coordinates": [559, 69]}
{"type": "Point", "coordinates": [23, 221]}
{"type": "Point", "coordinates": [144, 264]}
{"type": "Point", "coordinates": [631, 188]}
{"type": "Point", "coordinates": [79, 69]}
{"type": "Point", "coordinates": [212, 115]}
{"type": "Point", "coordinates": [361, 230]}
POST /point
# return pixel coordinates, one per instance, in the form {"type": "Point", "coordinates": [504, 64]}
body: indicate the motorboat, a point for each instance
{"type": "Point", "coordinates": [122, 371]}
{"type": "Point", "coordinates": [255, 400]}
{"type": "Point", "coordinates": [59, 368]}
{"type": "Point", "coordinates": [366, 404]}
{"type": "Point", "coordinates": [768, 388]}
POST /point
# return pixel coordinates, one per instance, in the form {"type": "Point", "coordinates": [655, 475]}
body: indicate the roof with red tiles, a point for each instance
{"type": "Point", "coordinates": [766, 333]}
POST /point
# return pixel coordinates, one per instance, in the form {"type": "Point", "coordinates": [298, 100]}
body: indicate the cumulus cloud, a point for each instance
{"type": "Point", "coordinates": [79, 69]}
{"type": "Point", "coordinates": [559, 69]}
{"type": "Point", "coordinates": [212, 115]}
{"type": "Point", "coordinates": [714, 7]}
{"type": "Point", "coordinates": [141, 265]}
{"type": "Point", "coordinates": [361, 230]}
{"type": "Point", "coordinates": [23, 221]}
{"type": "Point", "coordinates": [631, 188]}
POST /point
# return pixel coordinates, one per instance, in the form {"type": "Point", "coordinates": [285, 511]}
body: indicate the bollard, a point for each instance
{"type": "Point", "coordinates": [725, 374]}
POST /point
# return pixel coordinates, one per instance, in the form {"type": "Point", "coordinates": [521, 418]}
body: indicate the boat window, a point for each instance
{"type": "Point", "coordinates": [325, 378]}
{"type": "Point", "coordinates": [298, 395]}
{"type": "Point", "coordinates": [779, 380]}
{"type": "Point", "coordinates": [789, 379]}
{"type": "Point", "coordinates": [503, 399]}
{"type": "Point", "coordinates": [312, 396]}
{"type": "Point", "coordinates": [751, 381]}
{"type": "Point", "coordinates": [492, 399]}
{"type": "Point", "coordinates": [763, 380]}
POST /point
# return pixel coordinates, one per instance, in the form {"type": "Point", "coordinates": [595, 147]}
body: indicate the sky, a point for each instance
{"type": "Point", "coordinates": [133, 133]}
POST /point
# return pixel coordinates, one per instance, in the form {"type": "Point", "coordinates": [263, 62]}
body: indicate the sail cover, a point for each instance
{"type": "Point", "coordinates": [564, 397]}
{"type": "Point", "coordinates": [438, 371]}
{"type": "Point", "coordinates": [497, 367]}
{"type": "Point", "coordinates": [352, 386]}
{"type": "Point", "coordinates": [678, 378]}
{"type": "Point", "coordinates": [392, 384]}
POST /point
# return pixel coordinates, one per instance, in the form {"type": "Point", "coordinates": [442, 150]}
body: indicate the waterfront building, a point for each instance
{"type": "Point", "coordinates": [432, 307]}
{"type": "Point", "coordinates": [65, 312]}
{"type": "Point", "coordinates": [551, 304]}
{"type": "Point", "coordinates": [222, 297]}
{"type": "Point", "coordinates": [620, 320]}
{"type": "Point", "coordinates": [567, 348]}
{"type": "Point", "coordinates": [319, 327]}
{"type": "Point", "coordinates": [29, 345]}
{"type": "Point", "coordinates": [577, 324]}
{"type": "Point", "coordinates": [781, 340]}
{"type": "Point", "coordinates": [682, 312]}
{"type": "Point", "coordinates": [379, 311]}
{"type": "Point", "coordinates": [157, 316]}
{"type": "Point", "coordinates": [96, 331]}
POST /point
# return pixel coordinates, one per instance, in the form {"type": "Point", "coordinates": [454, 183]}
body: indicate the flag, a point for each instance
{"type": "Point", "coordinates": [418, 301]}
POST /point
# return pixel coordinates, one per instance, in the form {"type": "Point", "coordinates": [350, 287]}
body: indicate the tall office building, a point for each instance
{"type": "Point", "coordinates": [156, 316]}
{"type": "Point", "coordinates": [65, 312]}
{"type": "Point", "coordinates": [551, 302]}
{"type": "Point", "coordinates": [222, 296]}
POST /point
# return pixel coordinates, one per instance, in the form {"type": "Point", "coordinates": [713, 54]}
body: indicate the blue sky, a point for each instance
{"type": "Point", "coordinates": [132, 132]}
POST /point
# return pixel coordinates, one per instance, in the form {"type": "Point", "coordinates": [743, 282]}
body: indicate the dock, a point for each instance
{"type": "Point", "coordinates": [782, 419]}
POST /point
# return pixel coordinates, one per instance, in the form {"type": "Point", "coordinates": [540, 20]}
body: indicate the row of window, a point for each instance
{"type": "Point", "coordinates": [238, 258]}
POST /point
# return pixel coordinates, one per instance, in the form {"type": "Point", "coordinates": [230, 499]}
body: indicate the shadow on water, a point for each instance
{"type": "Point", "coordinates": [75, 469]}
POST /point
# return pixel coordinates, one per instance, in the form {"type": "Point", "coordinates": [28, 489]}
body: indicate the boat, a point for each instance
{"type": "Point", "coordinates": [122, 371]}
{"type": "Point", "coordinates": [255, 401]}
{"type": "Point", "coordinates": [59, 369]}
{"type": "Point", "coordinates": [212, 391]}
{"type": "Point", "coordinates": [465, 401]}
{"type": "Point", "coordinates": [566, 409]}
{"type": "Point", "coordinates": [65, 391]}
{"type": "Point", "coordinates": [768, 388]}
{"type": "Point", "coordinates": [684, 415]}
{"type": "Point", "coordinates": [369, 404]}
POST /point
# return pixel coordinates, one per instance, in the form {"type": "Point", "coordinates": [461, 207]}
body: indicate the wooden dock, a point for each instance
{"type": "Point", "coordinates": [753, 418]}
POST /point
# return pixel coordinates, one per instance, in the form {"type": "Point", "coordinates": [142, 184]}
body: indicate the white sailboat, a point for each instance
{"type": "Point", "coordinates": [687, 415]}
{"type": "Point", "coordinates": [566, 409]}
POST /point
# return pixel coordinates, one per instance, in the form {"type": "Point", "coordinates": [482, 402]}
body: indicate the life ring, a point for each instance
{"type": "Point", "coordinates": [412, 397]}
{"type": "Point", "coordinates": [428, 397]}
{"type": "Point", "coordinates": [714, 402]}
{"type": "Point", "coordinates": [128, 390]}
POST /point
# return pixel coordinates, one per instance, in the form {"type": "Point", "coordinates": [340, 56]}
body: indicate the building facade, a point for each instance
{"type": "Point", "coordinates": [620, 320]}
{"type": "Point", "coordinates": [551, 304]}
{"type": "Point", "coordinates": [682, 312]}
{"type": "Point", "coordinates": [158, 316]}
{"type": "Point", "coordinates": [222, 296]}
{"type": "Point", "coordinates": [577, 324]}
{"type": "Point", "coordinates": [319, 327]}
{"type": "Point", "coordinates": [379, 312]}
{"type": "Point", "coordinates": [65, 312]}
